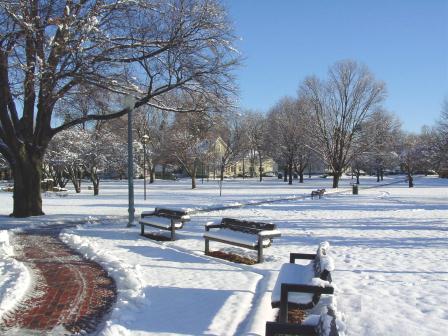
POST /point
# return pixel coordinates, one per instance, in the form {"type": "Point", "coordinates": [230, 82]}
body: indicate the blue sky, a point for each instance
{"type": "Point", "coordinates": [403, 42]}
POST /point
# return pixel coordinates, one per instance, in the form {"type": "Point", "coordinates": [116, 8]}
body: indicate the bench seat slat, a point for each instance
{"type": "Point", "coordinates": [236, 237]}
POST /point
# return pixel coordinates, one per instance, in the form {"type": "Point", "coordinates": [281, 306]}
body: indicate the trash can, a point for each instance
{"type": "Point", "coordinates": [355, 189]}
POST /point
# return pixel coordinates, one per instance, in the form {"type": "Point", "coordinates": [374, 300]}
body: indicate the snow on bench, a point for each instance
{"type": "Point", "coordinates": [301, 286]}
{"type": "Point", "coordinates": [165, 219]}
{"type": "Point", "coordinates": [252, 235]}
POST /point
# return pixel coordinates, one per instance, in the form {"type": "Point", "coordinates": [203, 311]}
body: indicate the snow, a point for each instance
{"type": "Point", "coordinates": [388, 245]}
{"type": "Point", "coordinates": [14, 277]}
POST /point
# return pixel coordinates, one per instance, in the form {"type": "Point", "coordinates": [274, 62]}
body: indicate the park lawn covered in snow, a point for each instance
{"type": "Point", "coordinates": [389, 245]}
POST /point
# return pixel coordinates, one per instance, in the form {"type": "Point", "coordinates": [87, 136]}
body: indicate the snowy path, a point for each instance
{"type": "Point", "coordinates": [68, 293]}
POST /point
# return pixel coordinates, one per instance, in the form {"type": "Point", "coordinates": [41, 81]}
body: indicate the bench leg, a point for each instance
{"type": "Point", "coordinates": [260, 253]}
{"type": "Point", "coordinates": [173, 233]}
{"type": "Point", "coordinates": [142, 229]}
{"type": "Point", "coordinates": [283, 314]}
{"type": "Point", "coordinates": [260, 249]}
{"type": "Point", "coordinates": [207, 246]}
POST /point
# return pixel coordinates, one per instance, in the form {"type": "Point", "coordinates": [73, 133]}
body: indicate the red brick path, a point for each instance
{"type": "Point", "coordinates": [67, 289]}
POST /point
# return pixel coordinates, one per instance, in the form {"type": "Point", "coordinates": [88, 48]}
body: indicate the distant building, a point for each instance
{"type": "Point", "coordinates": [250, 166]}
{"type": "Point", "coordinates": [247, 165]}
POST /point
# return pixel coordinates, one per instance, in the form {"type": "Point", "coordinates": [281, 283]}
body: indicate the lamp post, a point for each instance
{"type": "Point", "coordinates": [145, 140]}
{"type": "Point", "coordinates": [129, 104]}
{"type": "Point", "coordinates": [79, 173]}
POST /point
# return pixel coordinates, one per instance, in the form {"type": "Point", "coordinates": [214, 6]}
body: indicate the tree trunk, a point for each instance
{"type": "Point", "coordinates": [193, 180]}
{"type": "Point", "coordinates": [96, 187]}
{"type": "Point", "coordinates": [80, 172]}
{"type": "Point", "coordinates": [77, 185]}
{"type": "Point", "coordinates": [285, 174]}
{"type": "Point", "coordinates": [75, 177]}
{"type": "Point", "coordinates": [410, 180]}
{"type": "Point", "coordinates": [222, 173]}
{"type": "Point", "coordinates": [27, 172]}
{"type": "Point", "coordinates": [152, 173]}
{"type": "Point", "coordinates": [382, 174]}
{"type": "Point", "coordinates": [357, 177]}
{"type": "Point", "coordinates": [336, 177]}
{"type": "Point", "coordinates": [378, 175]}
{"type": "Point", "coordinates": [260, 169]}
{"type": "Point", "coordinates": [290, 173]}
{"type": "Point", "coordinates": [299, 170]}
{"type": "Point", "coordinates": [96, 183]}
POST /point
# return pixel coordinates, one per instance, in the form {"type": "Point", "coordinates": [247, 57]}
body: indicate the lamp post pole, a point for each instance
{"type": "Point", "coordinates": [144, 171]}
{"type": "Point", "coordinates": [130, 104]}
{"type": "Point", "coordinates": [144, 141]}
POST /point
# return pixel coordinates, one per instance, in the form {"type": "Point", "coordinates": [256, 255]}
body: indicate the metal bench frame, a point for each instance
{"type": "Point", "coordinates": [175, 216]}
{"type": "Point", "coordinates": [261, 230]}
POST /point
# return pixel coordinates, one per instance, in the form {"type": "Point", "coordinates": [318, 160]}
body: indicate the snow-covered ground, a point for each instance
{"type": "Point", "coordinates": [389, 245]}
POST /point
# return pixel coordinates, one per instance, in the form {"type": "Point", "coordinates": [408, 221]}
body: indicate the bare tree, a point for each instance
{"type": "Point", "coordinates": [188, 142]}
{"type": "Point", "coordinates": [410, 155]}
{"type": "Point", "coordinates": [229, 127]}
{"type": "Point", "coordinates": [255, 127]}
{"type": "Point", "coordinates": [433, 149]}
{"type": "Point", "coordinates": [230, 130]}
{"type": "Point", "coordinates": [147, 48]}
{"type": "Point", "coordinates": [288, 122]}
{"type": "Point", "coordinates": [64, 157]}
{"type": "Point", "coordinates": [444, 119]}
{"type": "Point", "coordinates": [442, 143]}
{"type": "Point", "coordinates": [340, 105]}
{"type": "Point", "coordinates": [155, 124]}
{"type": "Point", "coordinates": [380, 135]}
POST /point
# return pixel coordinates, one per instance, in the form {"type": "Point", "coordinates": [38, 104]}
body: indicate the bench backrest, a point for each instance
{"type": "Point", "coordinates": [323, 263]}
{"type": "Point", "coordinates": [169, 213]}
{"type": "Point", "coordinates": [246, 226]}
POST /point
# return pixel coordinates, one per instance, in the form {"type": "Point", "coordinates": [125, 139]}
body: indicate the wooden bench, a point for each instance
{"type": "Point", "coordinates": [318, 192]}
{"type": "Point", "coordinates": [165, 219]}
{"type": "Point", "coordinates": [324, 324]}
{"type": "Point", "coordinates": [252, 235]}
{"type": "Point", "coordinates": [301, 285]}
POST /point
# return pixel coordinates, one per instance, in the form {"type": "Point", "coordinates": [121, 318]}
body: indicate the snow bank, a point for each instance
{"type": "Point", "coordinates": [326, 262]}
{"type": "Point", "coordinates": [14, 276]}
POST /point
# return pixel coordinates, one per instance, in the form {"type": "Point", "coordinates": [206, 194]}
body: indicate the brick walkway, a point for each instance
{"type": "Point", "coordinates": [68, 295]}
